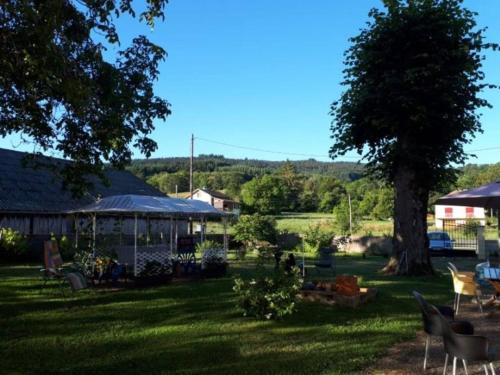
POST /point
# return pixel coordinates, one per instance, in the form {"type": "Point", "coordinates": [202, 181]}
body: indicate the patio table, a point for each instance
{"type": "Point", "coordinates": [493, 276]}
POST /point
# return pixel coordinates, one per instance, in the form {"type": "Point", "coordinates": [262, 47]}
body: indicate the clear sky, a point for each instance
{"type": "Point", "coordinates": [262, 74]}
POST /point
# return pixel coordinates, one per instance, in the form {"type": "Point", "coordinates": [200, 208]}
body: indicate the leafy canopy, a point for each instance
{"type": "Point", "coordinates": [413, 81]}
{"type": "Point", "coordinates": [58, 91]}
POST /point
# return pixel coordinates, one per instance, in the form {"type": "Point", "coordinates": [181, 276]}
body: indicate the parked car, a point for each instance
{"type": "Point", "coordinates": [439, 241]}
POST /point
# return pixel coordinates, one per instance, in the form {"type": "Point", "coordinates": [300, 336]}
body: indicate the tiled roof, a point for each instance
{"type": "Point", "coordinates": [25, 189]}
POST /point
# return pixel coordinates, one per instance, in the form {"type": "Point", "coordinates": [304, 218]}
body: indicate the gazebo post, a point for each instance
{"type": "Point", "coordinates": [76, 231]}
{"type": "Point", "coordinates": [171, 235]}
{"type": "Point", "coordinates": [121, 229]}
{"type": "Point", "coordinates": [226, 245]}
{"type": "Point", "coordinates": [498, 227]}
{"type": "Point", "coordinates": [147, 230]}
{"type": "Point", "coordinates": [202, 235]}
{"type": "Point", "coordinates": [135, 244]}
{"type": "Point", "coordinates": [176, 235]}
{"type": "Point", "coordinates": [94, 228]}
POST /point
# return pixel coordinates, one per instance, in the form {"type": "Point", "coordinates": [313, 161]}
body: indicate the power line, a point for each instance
{"type": "Point", "coordinates": [484, 149]}
{"type": "Point", "coordinates": [276, 152]}
{"type": "Point", "coordinates": [271, 151]}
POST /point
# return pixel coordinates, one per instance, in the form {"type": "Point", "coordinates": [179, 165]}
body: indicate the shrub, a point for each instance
{"type": "Point", "coordinates": [207, 245]}
{"type": "Point", "coordinates": [253, 228]}
{"type": "Point", "coordinates": [269, 297]}
{"type": "Point", "coordinates": [156, 269]}
{"type": "Point", "coordinates": [12, 243]}
{"type": "Point", "coordinates": [83, 262]}
{"type": "Point", "coordinates": [316, 238]}
{"type": "Point", "coordinates": [213, 257]}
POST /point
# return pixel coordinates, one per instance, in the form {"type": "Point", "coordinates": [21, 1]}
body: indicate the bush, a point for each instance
{"type": "Point", "coordinates": [253, 228]}
{"type": "Point", "coordinates": [12, 243]}
{"type": "Point", "coordinates": [213, 257]}
{"type": "Point", "coordinates": [214, 263]}
{"type": "Point", "coordinates": [316, 238]}
{"type": "Point", "coordinates": [269, 297]}
{"type": "Point", "coordinates": [208, 245]}
{"type": "Point", "coordinates": [156, 269]}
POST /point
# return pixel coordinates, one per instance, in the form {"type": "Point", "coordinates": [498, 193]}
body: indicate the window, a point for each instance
{"type": "Point", "coordinates": [448, 212]}
{"type": "Point", "coordinates": [469, 212]}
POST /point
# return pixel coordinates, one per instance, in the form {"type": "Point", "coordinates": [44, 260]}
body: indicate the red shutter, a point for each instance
{"type": "Point", "coordinates": [469, 212]}
{"type": "Point", "coordinates": [448, 212]}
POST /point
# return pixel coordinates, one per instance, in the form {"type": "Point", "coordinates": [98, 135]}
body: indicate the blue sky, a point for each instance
{"type": "Point", "coordinates": [262, 74]}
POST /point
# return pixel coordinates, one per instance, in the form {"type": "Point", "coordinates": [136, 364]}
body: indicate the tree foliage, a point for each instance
{"type": "Point", "coordinates": [413, 80]}
{"type": "Point", "coordinates": [265, 195]}
{"type": "Point", "coordinates": [59, 91]}
{"type": "Point", "coordinates": [253, 228]}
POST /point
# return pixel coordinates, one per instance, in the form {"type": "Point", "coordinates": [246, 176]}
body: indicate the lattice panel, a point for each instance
{"type": "Point", "coordinates": [148, 255]}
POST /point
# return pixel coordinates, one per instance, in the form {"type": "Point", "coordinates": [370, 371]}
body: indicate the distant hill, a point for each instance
{"type": "Point", "coordinates": [144, 168]}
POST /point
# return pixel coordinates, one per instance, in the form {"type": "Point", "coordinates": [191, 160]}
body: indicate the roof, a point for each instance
{"type": "Point", "coordinates": [215, 194]}
{"type": "Point", "coordinates": [175, 207]}
{"type": "Point", "coordinates": [27, 190]}
{"type": "Point", "coordinates": [487, 196]}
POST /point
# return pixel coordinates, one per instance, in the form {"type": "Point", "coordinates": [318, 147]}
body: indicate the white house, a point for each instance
{"type": "Point", "coordinates": [216, 199]}
{"type": "Point", "coordinates": [459, 214]}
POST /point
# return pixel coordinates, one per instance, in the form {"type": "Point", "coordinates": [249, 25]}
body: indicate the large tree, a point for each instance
{"type": "Point", "coordinates": [58, 91]}
{"type": "Point", "coordinates": [413, 81]}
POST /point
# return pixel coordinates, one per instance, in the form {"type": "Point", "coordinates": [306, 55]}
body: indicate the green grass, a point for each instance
{"type": "Point", "coordinates": [194, 327]}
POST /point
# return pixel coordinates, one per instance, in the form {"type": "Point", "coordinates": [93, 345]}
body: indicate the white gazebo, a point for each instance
{"type": "Point", "coordinates": [166, 212]}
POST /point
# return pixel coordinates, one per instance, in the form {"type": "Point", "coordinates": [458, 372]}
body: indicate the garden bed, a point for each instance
{"type": "Point", "coordinates": [343, 292]}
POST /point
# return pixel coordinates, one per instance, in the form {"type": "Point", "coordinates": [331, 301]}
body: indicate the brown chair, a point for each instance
{"type": "Point", "coordinates": [53, 263]}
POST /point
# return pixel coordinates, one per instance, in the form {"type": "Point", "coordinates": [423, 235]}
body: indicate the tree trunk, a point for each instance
{"type": "Point", "coordinates": [410, 254]}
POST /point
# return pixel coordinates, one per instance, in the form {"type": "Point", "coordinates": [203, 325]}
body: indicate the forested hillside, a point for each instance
{"type": "Point", "coordinates": [145, 168]}
{"type": "Point", "coordinates": [271, 187]}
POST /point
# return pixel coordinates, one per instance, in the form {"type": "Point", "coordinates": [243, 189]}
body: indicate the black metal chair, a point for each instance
{"type": "Point", "coordinates": [326, 259]}
{"type": "Point", "coordinates": [432, 322]}
{"type": "Point", "coordinates": [187, 259]}
{"type": "Point", "coordinates": [468, 348]}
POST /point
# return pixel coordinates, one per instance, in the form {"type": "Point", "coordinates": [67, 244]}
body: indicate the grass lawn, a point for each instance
{"type": "Point", "coordinates": [194, 327]}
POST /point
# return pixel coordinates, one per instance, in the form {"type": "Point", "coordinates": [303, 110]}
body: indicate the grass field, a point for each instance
{"type": "Point", "coordinates": [194, 327]}
{"type": "Point", "coordinates": [298, 222]}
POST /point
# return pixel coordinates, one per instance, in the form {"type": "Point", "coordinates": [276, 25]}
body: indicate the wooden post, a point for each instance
{"type": "Point", "coordinates": [498, 227]}
{"type": "Point", "coordinates": [226, 242]}
{"type": "Point", "coordinates": [350, 214]}
{"type": "Point", "coordinates": [94, 228]}
{"type": "Point", "coordinates": [171, 235]}
{"type": "Point", "coordinates": [481, 248]}
{"type": "Point", "coordinates": [202, 235]}
{"type": "Point", "coordinates": [135, 245]}
{"type": "Point", "coordinates": [76, 231]}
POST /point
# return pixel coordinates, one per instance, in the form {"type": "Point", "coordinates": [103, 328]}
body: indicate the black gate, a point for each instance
{"type": "Point", "coordinates": [462, 233]}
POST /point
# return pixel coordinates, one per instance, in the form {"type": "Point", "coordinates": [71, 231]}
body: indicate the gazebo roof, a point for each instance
{"type": "Point", "coordinates": [487, 196]}
{"type": "Point", "coordinates": [144, 204]}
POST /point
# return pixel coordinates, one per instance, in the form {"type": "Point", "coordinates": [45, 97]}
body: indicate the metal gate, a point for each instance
{"type": "Point", "coordinates": [463, 233]}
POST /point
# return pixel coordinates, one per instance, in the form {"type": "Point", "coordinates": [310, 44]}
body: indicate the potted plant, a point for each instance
{"type": "Point", "coordinates": [154, 273]}
{"type": "Point", "coordinates": [213, 263]}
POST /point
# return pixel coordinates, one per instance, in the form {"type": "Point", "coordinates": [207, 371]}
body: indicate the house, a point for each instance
{"type": "Point", "coordinates": [217, 199]}
{"type": "Point", "coordinates": [458, 214]}
{"type": "Point", "coordinates": [33, 201]}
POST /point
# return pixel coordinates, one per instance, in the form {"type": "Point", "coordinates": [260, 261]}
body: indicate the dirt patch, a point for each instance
{"type": "Point", "coordinates": [407, 357]}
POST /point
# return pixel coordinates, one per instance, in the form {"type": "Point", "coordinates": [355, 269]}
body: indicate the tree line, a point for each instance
{"type": "Point", "coordinates": [290, 189]}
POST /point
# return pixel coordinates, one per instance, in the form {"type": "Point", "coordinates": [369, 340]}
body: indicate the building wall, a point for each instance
{"type": "Point", "coordinates": [459, 213]}
{"type": "Point", "coordinates": [204, 197]}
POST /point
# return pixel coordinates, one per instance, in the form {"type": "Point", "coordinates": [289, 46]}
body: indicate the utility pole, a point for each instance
{"type": "Point", "coordinates": [350, 213]}
{"type": "Point", "coordinates": [191, 179]}
{"type": "Point", "coordinates": [191, 167]}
